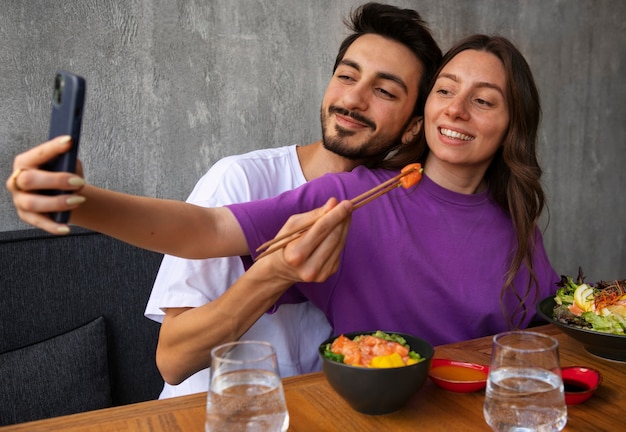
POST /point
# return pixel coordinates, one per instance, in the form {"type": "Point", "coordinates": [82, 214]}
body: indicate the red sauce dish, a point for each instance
{"type": "Point", "coordinates": [580, 383]}
{"type": "Point", "coordinates": [458, 376]}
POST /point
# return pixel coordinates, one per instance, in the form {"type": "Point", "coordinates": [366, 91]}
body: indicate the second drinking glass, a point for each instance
{"type": "Point", "coordinates": [525, 388]}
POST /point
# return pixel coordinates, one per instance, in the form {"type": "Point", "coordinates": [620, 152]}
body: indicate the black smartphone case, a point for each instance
{"type": "Point", "coordinates": [68, 99]}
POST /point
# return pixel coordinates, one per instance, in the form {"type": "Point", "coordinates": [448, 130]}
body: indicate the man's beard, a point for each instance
{"type": "Point", "coordinates": [368, 150]}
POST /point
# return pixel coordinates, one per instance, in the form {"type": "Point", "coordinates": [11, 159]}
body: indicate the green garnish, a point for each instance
{"type": "Point", "coordinates": [331, 355]}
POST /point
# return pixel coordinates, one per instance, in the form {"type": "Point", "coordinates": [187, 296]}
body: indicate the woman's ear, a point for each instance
{"type": "Point", "coordinates": [415, 125]}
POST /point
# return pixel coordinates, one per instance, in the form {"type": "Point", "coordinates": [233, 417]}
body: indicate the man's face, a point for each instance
{"type": "Point", "coordinates": [370, 98]}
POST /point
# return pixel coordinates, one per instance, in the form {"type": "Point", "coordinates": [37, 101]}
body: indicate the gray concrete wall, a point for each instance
{"type": "Point", "coordinates": [174, 86]}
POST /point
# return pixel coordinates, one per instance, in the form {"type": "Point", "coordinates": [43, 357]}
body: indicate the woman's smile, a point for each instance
{"type": "Point", "coordinates": [455, 135]}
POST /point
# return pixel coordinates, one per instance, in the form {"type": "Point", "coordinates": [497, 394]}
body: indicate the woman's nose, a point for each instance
{"type": "Point", "coordinates": [457, 108]}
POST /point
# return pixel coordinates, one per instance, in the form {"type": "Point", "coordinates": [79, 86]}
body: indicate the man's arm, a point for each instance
{"type": "Point", "coordinates": [184, 342]}
{"type": "Point", "coordinates": [184, 287]}
{"type": "Point", "coordinates": [187, 335]}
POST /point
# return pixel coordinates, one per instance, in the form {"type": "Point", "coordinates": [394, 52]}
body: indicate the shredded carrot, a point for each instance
{"type": "Point", "coordinates": [609, 295]}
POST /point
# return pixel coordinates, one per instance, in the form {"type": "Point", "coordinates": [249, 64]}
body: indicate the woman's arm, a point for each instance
{"type": "Point", "coordinates": [165, 226]}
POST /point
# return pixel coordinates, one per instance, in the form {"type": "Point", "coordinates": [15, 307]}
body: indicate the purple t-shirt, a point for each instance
{"type": "Point", "coordinates": [424, 260]}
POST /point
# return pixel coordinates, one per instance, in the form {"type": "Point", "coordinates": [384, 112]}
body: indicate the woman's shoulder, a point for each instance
{"type": "Point", "coordinates": [360, 175]}
{"type": "Point", "coordinates": [346, 185]}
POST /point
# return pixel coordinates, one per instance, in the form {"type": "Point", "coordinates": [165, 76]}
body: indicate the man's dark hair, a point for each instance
{"type": "Point", "coordinates": [405, 26]}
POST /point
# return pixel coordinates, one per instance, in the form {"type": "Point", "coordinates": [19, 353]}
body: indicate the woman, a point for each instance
{"type": "Point", "coordinates": [458, 256]}
{"type": "Point", "coordinates": [513, 175]}
{"type": "Point", "coordinates": [463, 255]}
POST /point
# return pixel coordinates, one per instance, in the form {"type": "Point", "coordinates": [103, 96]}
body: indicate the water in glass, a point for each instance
{"type": "Point", "coordinates": [524, 388]}
{"type": "Point", "coordinates": [525, 399]}
{"type": "Point", "coordinates": [245, 389]}
{"type": "Point", "coordinates": [246, 401]}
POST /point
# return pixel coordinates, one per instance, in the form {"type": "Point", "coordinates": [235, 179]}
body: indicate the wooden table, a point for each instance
{"type": "Point", "coordinates": [314, 406]}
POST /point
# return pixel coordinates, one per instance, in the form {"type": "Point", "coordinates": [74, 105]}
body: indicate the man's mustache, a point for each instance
{"type": "Point", "coordinates": [356, 116]}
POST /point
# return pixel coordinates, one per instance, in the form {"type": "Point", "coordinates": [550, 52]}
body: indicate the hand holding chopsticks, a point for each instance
{"type": "Point", "coordinates": [409, 176]}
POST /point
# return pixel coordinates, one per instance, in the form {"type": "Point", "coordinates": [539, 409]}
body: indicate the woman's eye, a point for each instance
{"type": "Point", "coordinates": [483, 102]}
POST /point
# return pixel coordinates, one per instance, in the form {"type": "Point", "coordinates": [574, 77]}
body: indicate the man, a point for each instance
{"type": "Point", "coordinates": [182, 285]}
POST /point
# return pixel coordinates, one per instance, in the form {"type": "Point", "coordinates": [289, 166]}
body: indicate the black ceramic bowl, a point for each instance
{"type": "Point", "coordinates": [605, 345]}
{"type": "Point", "coordinates": [378, 391]}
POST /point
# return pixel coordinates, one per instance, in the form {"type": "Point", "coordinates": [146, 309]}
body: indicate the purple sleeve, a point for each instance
{"type": "Point", "coordinates": [261, 220]}
{"type": "Point", "coordinates": [546, 275]}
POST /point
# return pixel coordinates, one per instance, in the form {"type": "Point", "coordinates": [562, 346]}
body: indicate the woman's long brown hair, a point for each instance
{"type": "Point", "coordinates": [513, 175]}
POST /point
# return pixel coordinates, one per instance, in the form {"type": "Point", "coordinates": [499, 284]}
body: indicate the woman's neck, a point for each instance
{"type": "Point", "coordinates": [466, 180]}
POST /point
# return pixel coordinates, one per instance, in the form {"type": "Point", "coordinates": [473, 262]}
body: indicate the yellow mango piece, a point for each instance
{"type": "Point", "coordinates": [387, 361]}
{"type": "Point", "coordinates": [411, 361]}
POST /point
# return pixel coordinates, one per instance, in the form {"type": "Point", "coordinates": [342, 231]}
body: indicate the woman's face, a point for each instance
{"type": "Point", "coordinates": [466, 114]}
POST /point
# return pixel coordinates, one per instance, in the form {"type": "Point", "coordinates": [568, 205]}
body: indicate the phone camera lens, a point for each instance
{"type": "Point", "coordinates": [59, 83]}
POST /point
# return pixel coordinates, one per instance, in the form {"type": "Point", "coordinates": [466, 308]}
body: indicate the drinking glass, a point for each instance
{"type": "Point", "coordinates": [524, 388]}
{"type": "Point", "coordinates": [245, 390]}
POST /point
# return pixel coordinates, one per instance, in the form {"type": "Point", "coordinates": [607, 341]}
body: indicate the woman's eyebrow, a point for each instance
{"type": "Point", "coordinates": [480, 84]}
{"type": "Point", "coordinates": [382, 75]}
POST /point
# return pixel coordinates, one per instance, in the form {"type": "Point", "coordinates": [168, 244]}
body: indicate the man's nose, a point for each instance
{"type": "Point", "coordinates": [357, 98]}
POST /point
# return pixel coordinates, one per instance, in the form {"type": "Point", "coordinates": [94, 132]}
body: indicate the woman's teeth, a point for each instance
{"type": "Point", "coordinates": [453, 134]}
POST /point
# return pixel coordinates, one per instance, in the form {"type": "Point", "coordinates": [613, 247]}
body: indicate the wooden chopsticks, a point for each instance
{"type": "Point", "coordinates": [282, 240]}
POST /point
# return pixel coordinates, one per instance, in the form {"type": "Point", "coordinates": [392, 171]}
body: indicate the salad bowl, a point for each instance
{"type": "Point", "coordinates": [605, 345]}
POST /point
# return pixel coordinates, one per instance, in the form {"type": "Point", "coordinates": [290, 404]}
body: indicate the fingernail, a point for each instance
{"type": "Point", "coordinates": [63, 229]}
{"type": "Point", "coordinates": [65, 139]}
{"type": "Point", "coordinates": [75, 200]}
{"type": "Point", "coordinates": [76, 181]}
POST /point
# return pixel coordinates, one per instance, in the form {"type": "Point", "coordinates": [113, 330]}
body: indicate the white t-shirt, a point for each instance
{"type": "Point", "coordinates": [296, 330]}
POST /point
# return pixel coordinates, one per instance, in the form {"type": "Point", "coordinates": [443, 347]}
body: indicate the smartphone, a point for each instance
{"type": "Point", "coordinates": [68, 100]}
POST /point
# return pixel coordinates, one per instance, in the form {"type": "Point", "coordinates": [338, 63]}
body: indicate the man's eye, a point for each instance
{"type": "Point", "coordinates": [344, 78]}
{"type": "Point", "coordinates": [385, 93]}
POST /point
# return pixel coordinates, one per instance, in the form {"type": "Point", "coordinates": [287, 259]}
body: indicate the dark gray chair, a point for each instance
{"type": "Point", "coordinates": [72, 332]}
